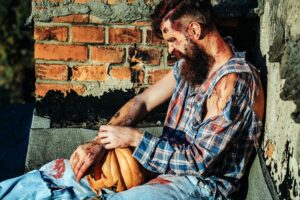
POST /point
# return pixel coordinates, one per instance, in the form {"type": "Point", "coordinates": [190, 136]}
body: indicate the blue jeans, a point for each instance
{"type": "Point", "coordinates": [55, 180]}
{"type": "Point", "coordinates": [167, 187]}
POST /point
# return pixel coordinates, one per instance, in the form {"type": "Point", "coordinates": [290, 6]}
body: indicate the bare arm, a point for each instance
{"type": "Point", "coordinates": [222, 93]}
{"type": "Point", "coordinates": [116, 134]}
{"type": "Point", "coordinates": [137, 108]}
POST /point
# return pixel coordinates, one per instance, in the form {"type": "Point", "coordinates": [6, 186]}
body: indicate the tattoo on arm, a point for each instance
{"type": "Point", "coordinates": [220, 95]}
{"type": "Point", "coordinates": [132, 112]}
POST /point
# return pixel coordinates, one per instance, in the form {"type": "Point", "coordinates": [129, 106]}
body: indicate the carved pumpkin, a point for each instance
{"type": "Point", "coordinates": [118, 171]}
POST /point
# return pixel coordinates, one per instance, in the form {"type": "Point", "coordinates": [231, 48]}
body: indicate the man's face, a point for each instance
{"type": "Point", "coordinates": [177, 41]}
{"type": "Point", "coordinates": [196, 61]}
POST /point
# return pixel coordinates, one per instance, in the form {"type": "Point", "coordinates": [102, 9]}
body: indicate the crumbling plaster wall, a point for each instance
{"type": "Point", "coordinates": [279, 44]}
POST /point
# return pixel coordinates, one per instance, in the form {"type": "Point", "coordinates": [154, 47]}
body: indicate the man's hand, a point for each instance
{"type": "Point", "coordinates": [118, 136]}
{"type": "Point", "coordinates": [84, 156]}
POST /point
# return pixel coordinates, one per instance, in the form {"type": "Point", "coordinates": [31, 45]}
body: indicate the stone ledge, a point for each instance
{"type": "Point", "coordinates": [40, 122]}
{"type": "Point", "coordinates": [46, 145]}
{"type": "Point", "coordinates": [257, 187]}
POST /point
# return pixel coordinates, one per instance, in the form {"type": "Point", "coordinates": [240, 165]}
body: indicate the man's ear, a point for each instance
{"type": "Point", "coordinates": [194, 30]}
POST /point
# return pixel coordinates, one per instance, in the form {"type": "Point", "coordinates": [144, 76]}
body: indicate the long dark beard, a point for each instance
{"type": "Point", "coordinates": [196, 65]}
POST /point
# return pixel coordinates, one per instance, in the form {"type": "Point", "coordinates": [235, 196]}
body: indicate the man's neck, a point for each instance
{"type": "Point", "coordinates": [215, 46]}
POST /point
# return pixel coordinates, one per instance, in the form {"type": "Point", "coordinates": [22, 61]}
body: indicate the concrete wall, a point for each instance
{"type": "Point", "coordinates": [279, 31]}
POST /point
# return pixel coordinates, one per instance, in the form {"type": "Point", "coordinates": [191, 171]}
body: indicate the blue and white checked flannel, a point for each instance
{"type": "Point", "coordinates": [217, 149]}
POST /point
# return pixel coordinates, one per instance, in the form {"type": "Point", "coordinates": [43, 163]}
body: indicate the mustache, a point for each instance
{"type": "Point", "coordinates": [177, 54]}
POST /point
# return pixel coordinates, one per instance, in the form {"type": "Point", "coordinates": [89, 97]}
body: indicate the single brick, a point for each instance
{"type": "Point", "coordinates": [81, 1]}
{"type": "Point", "coordinates": [141, 23]}
{"type": "Point", "coordinates": [51, 33]}
{"type": "Point", "coordinates": [41, 89]}
{"type": "Point", "coordinates": [96, 20]}
{"type": "Point", "coordinates": [153, 39]}
{"type": "Point", "coordinates": [156, 75]}
{"type": "Point", "coordinates": [122, 73]}
{"type": "Point", "coordinates": [111, 2]}
{"type": "Point", "coordinates": [88, 34]}
{"type": "Point", "coordinates": [75, 18]}
{"type": "Point", "coordinates": [51, 72]}
{"type": "Point", "coordinates": [125, 35]}
{"type": "Point", "coordinates": [89, 73]}
{"type": "Point", "coordinates": [145, 55]}
{"type": "Point", "coordinates": [108, 54]}
{"type": "Point", "coordinates": [61, 52]}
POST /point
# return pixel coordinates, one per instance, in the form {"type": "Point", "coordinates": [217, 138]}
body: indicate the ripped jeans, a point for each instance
{"type": "Point", "coordinates": [55, 180]}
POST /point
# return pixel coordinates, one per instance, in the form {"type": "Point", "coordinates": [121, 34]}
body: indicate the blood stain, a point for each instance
{"type": "Point", "coordinates": [159, 181]}
{"type": "Point", "coordinates": [59, 168]}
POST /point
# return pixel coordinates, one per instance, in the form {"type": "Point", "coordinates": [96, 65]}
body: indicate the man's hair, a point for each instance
{"type": "Point", "coordinates": [199, 10]}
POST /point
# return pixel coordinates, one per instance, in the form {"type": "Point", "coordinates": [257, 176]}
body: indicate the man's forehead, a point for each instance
{"type": "Point", "coordinates": [168, 30]}
{"type": "Point", "coordinates": [165, 26]}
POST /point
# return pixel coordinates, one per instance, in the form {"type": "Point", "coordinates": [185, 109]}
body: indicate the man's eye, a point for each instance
{"type": "Point", "coordinates": [171, 40]}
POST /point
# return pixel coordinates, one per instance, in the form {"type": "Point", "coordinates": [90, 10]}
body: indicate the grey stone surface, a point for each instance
{"type": "Point", "coordinates": [154, 130]}
{"type": "Point", "coordinates": [40, 122]}
{"type": "Point", "coordinates": [258, 189]}
{"type": "Point", "coordinates": [46, 145]}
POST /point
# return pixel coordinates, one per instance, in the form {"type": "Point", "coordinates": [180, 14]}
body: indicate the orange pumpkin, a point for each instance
{"type": "Point", "coordinates": [118, 171]}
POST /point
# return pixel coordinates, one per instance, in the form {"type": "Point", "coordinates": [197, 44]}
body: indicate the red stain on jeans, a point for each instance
{"type": "Point", "coordinates": [159, 181]}
{"type": "Point", "coordinates": [59, 168]}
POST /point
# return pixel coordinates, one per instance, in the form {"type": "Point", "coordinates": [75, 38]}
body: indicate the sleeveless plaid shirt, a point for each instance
{"type": "Point", "coordinates": [216, 150]}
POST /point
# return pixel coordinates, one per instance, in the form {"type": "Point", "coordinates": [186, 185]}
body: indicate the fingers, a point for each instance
{"type": "Point", "coordinates": [105, 140]}
{"type": "Point", "coordinates": [102, 135]}
{"type": "Point", "coordinates": [73, 160]}
{"type": "Point", "coordinates": [108, 143]}
{"type": "Point", "coordinates": [83, 157]}
{"type": "Point", "coordinates": [77, 168]}
{"type": "Point", "coordinates": [110, 146]}
{"type": "Point", "coordinates": [104, 128]}
{"type": "Point", "coordinates": [82, 170]}
{"type": "Point", "coordinates": [72, 156]}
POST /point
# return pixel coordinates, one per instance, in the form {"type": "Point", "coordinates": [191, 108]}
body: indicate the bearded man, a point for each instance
{"type": "Point", "coordinates": [213, 121]}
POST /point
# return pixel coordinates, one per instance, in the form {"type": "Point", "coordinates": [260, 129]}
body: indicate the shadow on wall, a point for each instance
{"type": "Point", "coordinates": [91, 111]}
{"type": "Point", "coordinates": [15, 123]}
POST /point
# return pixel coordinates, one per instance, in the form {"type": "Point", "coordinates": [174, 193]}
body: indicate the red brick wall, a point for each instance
{"type": "Point", "coordinates": [79, 52]}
